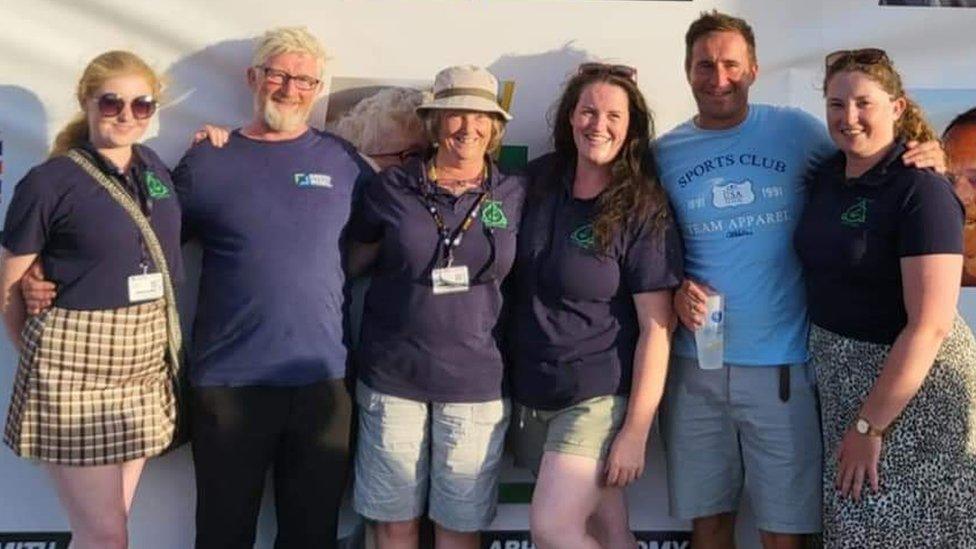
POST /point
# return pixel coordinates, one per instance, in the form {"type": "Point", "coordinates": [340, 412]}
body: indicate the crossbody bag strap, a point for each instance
{"type": "Point", "coordinates": [174, 335]}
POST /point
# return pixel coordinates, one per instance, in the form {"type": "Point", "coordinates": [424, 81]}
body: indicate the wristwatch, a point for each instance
{"type": "Point", "coordinates": [864, 427]}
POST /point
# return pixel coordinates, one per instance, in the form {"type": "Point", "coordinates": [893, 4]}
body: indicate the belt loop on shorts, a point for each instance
{"type": "Point", "coordinates": [784, 382]}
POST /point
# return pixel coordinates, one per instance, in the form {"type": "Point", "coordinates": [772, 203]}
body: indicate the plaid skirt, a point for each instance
{"type": "Point", "coordinates": [93, 387]}
{"type": "Point", "coordinates": [927, 470]}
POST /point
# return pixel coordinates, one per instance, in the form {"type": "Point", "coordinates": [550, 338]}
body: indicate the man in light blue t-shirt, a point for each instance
{"type": "Point", "coordinates": [735, 176]}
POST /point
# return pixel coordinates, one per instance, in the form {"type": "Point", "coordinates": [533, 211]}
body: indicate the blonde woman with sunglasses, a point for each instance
{"type": "Point", "coordinates": [93, 395]}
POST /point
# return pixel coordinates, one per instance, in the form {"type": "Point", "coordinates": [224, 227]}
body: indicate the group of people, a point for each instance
{"type": "Point", "coordinates": [539, 303]}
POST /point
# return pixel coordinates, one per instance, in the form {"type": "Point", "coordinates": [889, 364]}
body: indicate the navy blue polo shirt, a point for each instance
{"type": "Point", "coordinates": [853, 234]}
{"type": "Point", "coordinates": [421, 346]}
{"type": "Point", "coordinates": [270, 217]}
{"type": "Point", "coordinates": [574, 329]}
{"type": "Point", "coordinates": [89, 246]}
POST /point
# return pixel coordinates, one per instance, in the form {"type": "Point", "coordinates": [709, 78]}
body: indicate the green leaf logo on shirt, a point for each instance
{"type": "Point", "coordinates": [856, 214]}
{"type": "Point", "coordinates": [493, 216]}
{"type": "Point", "coordinates": [156, 188]}
{"type": "Point", "coordinates": [583, 236]}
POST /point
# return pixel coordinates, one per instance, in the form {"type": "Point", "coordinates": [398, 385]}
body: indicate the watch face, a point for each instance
{"type": "Point", "coordinates": [862, 426]}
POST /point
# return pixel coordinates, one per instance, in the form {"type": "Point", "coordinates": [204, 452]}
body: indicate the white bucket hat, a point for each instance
{"type": "Point", "coordinates": [465, 88]}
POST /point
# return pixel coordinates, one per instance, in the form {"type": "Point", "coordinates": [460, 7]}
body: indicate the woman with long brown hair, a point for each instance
{"type": "Point", "coordinates": [598, 256]}
{"type": "Point", "coordinates": [93, 396]}
{"type": "Point", "coordinates": [881, 248]}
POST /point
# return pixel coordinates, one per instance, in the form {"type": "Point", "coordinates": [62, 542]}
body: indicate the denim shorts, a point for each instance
{"type": "Point", "coordinates": [443, 456]}
{"type": "Point", "coordinates": [730, 430]}
{"type": "Point", "coordinates": [585, 429]}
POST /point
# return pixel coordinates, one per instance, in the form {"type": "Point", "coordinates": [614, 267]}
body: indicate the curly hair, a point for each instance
{"type": "Point", "coordinates": [912, 125]}
{"type": "Point", "coordinates": [102, 68]}
{"type": "Point", "coordinates": [634, 193]}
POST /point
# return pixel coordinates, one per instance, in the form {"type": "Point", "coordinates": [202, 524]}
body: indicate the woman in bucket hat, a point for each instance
{"type": "Point", "coordinates": [439, 233]}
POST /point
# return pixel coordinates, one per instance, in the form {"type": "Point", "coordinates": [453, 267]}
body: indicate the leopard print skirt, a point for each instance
{"type": "Point", "coordinates": [927, 471]}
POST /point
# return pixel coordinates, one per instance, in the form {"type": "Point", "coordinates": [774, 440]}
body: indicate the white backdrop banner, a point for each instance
{"type": "Point", "coordinates": [203, 49]}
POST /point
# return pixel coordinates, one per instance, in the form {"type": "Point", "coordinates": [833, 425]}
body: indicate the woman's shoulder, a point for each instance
{"type": "Point", "coordinates": [393, 180]}
{"type": "Point", "coordinates": [917, 184]}
{"type": "Point", "coordinates": [509, 180]}
{"type": "Point", "coordinates": [55, 173]}
{"type": "Point", "coordinates": [545, 166]}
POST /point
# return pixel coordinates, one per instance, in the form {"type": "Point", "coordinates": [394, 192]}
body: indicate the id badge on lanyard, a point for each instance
{"type": "Point", "coordinates": [451, 279]}
{"type": "Point", "coordinates": [146, 286]}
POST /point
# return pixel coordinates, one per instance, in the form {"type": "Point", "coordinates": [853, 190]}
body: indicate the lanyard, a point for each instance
{"type": "Point", "coordinates": [449, 239]}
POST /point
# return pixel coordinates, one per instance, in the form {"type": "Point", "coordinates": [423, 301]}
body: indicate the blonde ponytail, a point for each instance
{"type": "Point", "coordinates": [912, 126]}
{"type": "Point", "coordinates": [73, 135]}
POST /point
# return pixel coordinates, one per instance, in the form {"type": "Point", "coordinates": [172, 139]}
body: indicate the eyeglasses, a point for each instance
{"type": "Point", "coordinates": [280, 77]}
{"type": "Point", "coordinates": [866, 56]}
{"type": "Point", "coordinates": [623, 71]}
{"type": "Point", "coordinates": [111, 105]}
{"type": "Point", "coordinates": [401, 156]}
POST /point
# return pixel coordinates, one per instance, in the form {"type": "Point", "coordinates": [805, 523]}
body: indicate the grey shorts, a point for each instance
{"type": "Point", "coordinates": [405, 446]}
{"type": "Point", "coordinates": [585, 429]}
{"type": "Point", "coordinates": [727, 430]}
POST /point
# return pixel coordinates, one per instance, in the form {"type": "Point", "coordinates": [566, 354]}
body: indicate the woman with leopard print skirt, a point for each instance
{"type": "Point", "coordinates": [881, 246]}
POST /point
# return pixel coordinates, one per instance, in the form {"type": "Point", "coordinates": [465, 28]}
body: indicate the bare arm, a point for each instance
{"type": "Point", "coordinates": [655, 317]}
{"type": "Point", "coordinates": [930, 293]}
{"type": "Point", "coordinates": [12, 269]}
{"type": "Point", "coordinates": [361, 257]}
{"type": "Point", "coordinates": [930, 290]}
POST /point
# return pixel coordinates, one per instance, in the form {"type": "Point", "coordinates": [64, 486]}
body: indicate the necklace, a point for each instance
{"type": "Point", "coordinates": [457, 187]}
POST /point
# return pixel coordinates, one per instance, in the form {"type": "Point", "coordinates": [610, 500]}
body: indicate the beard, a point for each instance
{"type": "Point", "coordinates": [282, 120]}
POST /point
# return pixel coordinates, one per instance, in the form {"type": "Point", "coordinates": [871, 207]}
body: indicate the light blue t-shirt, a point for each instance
{"type": "Point", "coordinates": [737, 195]}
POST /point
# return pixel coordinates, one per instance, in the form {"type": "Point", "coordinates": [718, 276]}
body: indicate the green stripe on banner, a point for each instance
{"type": "Point", "coordinates": [513, 157]}
{"type": "Point", "coordinates": [515, 492]}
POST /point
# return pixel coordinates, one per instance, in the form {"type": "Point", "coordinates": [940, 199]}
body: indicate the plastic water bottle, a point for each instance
{"type": "Point", "coordinates": [709, 337]}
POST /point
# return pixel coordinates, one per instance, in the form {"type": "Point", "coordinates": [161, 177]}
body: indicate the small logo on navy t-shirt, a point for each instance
{"type": "Point", "coordinates": [155, 186]}
{"type": "Point", "coordinates": [857, 214]}
{"type": "Point", "coordinates": [493, 216]}
{"type": "Point", "coordinates": [583, 236]}
{"type": "Point", "coordinates": [313, 180]}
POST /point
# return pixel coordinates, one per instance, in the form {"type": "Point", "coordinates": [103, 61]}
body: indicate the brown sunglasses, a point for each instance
{"type": "Point", "coordinates": [867, 56]}
{"type": "Point", "coordinates": [623, 71]}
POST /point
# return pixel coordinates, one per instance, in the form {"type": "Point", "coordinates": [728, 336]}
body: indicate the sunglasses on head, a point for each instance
{"type": "Point", "coordinates": [142, 107]}
{"type": "Point", "coordinates": [623, 71]}
{"type": "Point", "coordinates": [866, 56]}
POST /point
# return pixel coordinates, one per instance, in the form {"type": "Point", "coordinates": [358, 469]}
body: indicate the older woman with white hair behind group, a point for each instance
{"type": "Point", "coordinates": [384, 127]}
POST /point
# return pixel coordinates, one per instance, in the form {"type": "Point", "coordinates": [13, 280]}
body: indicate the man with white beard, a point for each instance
{"type": "Point", "coordinates": [268, 362]}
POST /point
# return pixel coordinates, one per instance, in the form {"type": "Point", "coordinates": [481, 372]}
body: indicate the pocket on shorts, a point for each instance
{"type": "Point", "coordinates": [388, 422]}
{"type": "Point", "coordinates": [471, 435]}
